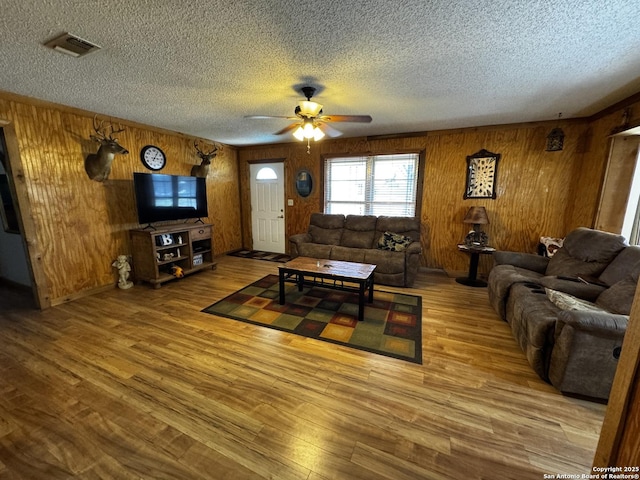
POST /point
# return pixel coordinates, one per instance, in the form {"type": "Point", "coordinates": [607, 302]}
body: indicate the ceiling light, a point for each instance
{"type": "Point", "coordinates": [299, 134]}
{"type": "Point", "coordinates": [309, 109]}
{"type": "Point", "coordinates": [308, 131]}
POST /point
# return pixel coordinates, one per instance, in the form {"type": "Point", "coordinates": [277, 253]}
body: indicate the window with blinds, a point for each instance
{"type": "Point", "coordinates": [371, 185]}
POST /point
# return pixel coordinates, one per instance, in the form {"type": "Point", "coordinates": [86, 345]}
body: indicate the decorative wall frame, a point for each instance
{"type": "Point", "coordinates": [482, 169]}
{"type": "Point", "coordinates": [304, 183]}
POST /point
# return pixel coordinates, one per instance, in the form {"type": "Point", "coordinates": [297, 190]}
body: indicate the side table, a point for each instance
{"type": "Point", "coordinates": [472, 279]}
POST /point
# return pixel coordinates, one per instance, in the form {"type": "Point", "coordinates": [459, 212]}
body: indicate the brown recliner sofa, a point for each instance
{"type": "Point", "coordinates": [569, 313]}
{"type": "Point", "coordinates": [356, 238]}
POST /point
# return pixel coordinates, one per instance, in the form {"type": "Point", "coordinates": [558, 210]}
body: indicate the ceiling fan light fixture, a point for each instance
{"type": "Point", "coordinates": [317, 134]}
{"type": "Point", "coordinates": [309, 108]}
{"type": "Point", "coordinates": [310, 123]}
{"type": "Point", "coordinates": [308, 129]}
{"type": "Point", "coordinates": [299, 133]}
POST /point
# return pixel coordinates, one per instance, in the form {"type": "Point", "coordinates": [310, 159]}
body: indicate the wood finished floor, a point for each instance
{"type": "Point", "coordinates": [139, 383]}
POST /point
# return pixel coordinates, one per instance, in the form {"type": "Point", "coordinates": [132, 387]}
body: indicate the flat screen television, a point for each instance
{"type": "Point", "coordinates": [161, 198]}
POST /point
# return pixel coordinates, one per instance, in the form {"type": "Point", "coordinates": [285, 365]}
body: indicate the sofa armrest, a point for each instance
{"type": "Point", "coordinates": [415, 247]}
{"type": "Point", "coordinates": [586, 351]}
{"type": "Point", "coordinates": [295, 241]}
{"type": "Point", "coordinates": [300, 238]}
{"type": "Point", "coordinates": [412, 256]}
{"type": "Point", "coordinates": [602, 324]}
{"type": "Point", "coordinates": [528, 261]}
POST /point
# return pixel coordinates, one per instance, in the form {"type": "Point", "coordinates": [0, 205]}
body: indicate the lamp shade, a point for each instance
{"type": "Point", "coordinates": [477, 216]}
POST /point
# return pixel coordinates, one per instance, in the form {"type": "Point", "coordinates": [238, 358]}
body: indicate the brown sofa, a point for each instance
{"type": "Point", "coordinates": [570, 330]}
{"type": "Point", "coordinates": [356, 238]}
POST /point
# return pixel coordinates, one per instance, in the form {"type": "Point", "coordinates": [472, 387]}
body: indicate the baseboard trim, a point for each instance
{"type": "Point", "coordinates": [82, 294]}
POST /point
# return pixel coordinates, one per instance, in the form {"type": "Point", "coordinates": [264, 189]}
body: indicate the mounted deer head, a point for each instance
{"type": "Point", "coordinates": [98, 165]}
{"type": "Point", "coordinates": [202, 170]}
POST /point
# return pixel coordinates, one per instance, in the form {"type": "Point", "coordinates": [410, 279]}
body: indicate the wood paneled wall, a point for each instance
{"type": "Point", "coordinates": [82, 225]}
{"type": "Point", "coordinates": [536, 189]}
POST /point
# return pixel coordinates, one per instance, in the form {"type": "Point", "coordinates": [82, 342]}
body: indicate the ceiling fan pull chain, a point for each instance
{"type": "Point", "coordinates": [308, 146]}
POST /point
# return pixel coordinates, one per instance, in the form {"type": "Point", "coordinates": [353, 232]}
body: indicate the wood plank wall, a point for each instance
{"type": "Point", "coordinates": [82, 225]}
{"type": "Point", "coordinates": [536, 189]}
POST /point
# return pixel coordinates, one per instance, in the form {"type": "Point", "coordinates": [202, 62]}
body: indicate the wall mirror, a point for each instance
{"type": "Point", "coordinates": [304, 183]}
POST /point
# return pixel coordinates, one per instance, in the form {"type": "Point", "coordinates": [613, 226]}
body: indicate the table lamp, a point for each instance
{"type": "Point", "coordinates": [476, 237]}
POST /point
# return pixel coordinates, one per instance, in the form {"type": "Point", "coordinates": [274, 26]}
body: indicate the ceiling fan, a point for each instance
{"type": "Point", "coordinates": [310, 122]}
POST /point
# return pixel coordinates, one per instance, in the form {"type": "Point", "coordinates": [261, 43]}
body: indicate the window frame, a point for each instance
{"type": "Point", "coordinates": [419, 170]}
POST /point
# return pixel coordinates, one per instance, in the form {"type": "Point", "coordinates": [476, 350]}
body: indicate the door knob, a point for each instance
{"type": "Point", "coordinates": [280, 216]}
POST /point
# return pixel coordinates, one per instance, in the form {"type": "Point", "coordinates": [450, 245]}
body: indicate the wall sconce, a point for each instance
{"type": "Point", "coordinates": [476, 216]}
{"type": "Point", "coordinates": [555, 139]}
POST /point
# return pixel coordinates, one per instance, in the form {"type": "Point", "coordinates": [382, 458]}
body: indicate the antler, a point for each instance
{"type": "Point", "coordinates": [101, 131]}
{"type": "Point", "coordinates": [208, 155]}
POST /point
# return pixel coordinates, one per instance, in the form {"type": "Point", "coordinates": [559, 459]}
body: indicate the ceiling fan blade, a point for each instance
{"type": "Point", "coordinates": [347, 118]}
{"type": "Point", "coordinates": [329, 131]}
{"type": "Point", "coordinates": [262, 117]}
{"type": "Point", "coordinates": [288, 128]}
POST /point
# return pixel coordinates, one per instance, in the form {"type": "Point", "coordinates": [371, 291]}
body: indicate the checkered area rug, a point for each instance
{"type": "Point", "coordinates": [392, 324]}
{"type": "Point", "coordinates": [260, 255]}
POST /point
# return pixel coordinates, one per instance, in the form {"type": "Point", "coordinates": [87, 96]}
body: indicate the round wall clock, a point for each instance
{"type": "Point", "coordinates": [153, 157]}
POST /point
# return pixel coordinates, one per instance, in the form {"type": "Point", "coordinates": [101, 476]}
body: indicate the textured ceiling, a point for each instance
{"type": "Point", "coordinates": [200, 66]}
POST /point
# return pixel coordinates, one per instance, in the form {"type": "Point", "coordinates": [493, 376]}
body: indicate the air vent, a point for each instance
{"type": "Point", "coordinates": [71, 44]}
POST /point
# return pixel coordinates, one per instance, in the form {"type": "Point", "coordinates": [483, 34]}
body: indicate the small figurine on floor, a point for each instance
{"type": "Point", "coordinates": [124, 268]}
{"type": "Point", "coordinates": [177, 271]}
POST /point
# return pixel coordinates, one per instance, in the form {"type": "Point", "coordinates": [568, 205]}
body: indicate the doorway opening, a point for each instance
{"type": "Point", "coordinates": [14, 265]}
{"type": "Point", "coordinates": [631, 222]}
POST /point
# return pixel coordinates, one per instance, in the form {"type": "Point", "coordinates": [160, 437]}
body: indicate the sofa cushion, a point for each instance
{"type": "Point", "coordinates": [408, 226]}
{"type": "Point", "coordinates": [394, 242]}
{"type": "Point", "coordinates": [325, 236]}
{"type": "Point", "coordinates": [625, 263]}
{"type": "Point", "coordinates": [385, 261]}
{"type": "Point", "coordinates": [347, 254]}
{"type": "Point", "coordinates": [575, 287]}
{"type": "Point", "coordinates": [359, 231]}
{"type": "Point", "coordinates": [326, 228]}
{"type": "Point", "coordinates": [565, 301]}
{"type": "Point", "coordinates": [585, 252]}
{"type": "Point", "coordinates": [315, 250]}
{"type": "Point", "coordinates": [327, 220]}
{"type": "Point", "coordinates": [618, 298]}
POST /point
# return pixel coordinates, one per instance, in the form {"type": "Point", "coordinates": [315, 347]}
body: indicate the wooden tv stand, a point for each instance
{"type": "Point", "coordinates": [188, 246]}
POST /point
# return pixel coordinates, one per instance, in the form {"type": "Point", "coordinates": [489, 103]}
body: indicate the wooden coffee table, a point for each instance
{"type": "Point", "coordinates": [353, 272]}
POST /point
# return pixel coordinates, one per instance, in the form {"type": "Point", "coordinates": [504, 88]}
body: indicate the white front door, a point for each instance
{"type": "Point", "coordinates": [267, 206]}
